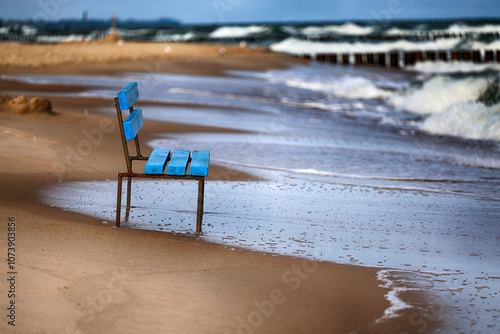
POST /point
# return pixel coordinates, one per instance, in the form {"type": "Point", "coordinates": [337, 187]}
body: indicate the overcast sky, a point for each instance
{"type": "Point", "coordinates": [223, 11]}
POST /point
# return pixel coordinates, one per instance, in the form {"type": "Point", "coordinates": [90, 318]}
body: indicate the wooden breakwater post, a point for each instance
{"type": "Point", "coordinates": [401, 59]}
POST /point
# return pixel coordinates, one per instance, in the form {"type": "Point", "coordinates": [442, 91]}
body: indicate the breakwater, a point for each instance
{"type": "Point", "coordinates": [405, 58]}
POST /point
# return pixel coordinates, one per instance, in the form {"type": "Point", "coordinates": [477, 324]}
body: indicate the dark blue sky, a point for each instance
{"type": "Point", "coordinates": [221, 11]}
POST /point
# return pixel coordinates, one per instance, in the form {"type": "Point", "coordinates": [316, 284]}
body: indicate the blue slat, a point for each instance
{"type": "Point", "coordinates": [199, 163]}
{"type": "Point", "coordinates": [133, 124]}
{"type": "Point", "coordinates": [178, 162]}
{"type": "Point", "coordinates": [128, 96]}
{"type": "Point", "coordinates": [157, 161]}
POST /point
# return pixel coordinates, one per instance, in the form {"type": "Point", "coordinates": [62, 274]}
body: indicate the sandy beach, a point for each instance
{"type": "Point", "coordinates": [76, 275]}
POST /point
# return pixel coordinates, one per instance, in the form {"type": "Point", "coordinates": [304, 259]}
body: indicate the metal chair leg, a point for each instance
{"type": "Point", "coordinates": [129, 187]}
{"type": "Point", "coordinates": [119, 201]}
{"type": "Point", "coordinates": [201, 195]}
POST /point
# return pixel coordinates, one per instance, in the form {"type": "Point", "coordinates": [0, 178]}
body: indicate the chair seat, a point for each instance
{"type": "Point", "coordinates": [157, 161]}
{"type": "Point", "coordinates": [177, 163]}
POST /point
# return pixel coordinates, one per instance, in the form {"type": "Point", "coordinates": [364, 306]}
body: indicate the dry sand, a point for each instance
{"type": "Point", "coordinates": [98, 58]}
{"type": "Point", "coordinates": [75, 275]}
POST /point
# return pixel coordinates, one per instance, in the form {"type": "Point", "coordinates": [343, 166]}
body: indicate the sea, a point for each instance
{"type": "Point", "coordinates": [394, 168]}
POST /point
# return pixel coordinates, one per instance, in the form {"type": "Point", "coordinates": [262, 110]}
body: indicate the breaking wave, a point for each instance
{"type": "Point", "coordinates": [238, 32]}
{"type": "Point", "coordinates": [469, 120]}
{"type": "Point", "coordinates": [439, 93]}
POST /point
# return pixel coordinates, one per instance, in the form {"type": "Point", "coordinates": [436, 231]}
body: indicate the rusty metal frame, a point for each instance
{"type": "Point", "coordinates": [130, 174]}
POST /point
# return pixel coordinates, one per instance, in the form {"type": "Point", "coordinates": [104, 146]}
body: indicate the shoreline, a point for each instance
{"type": "Point", "coordinates": [225, 288]}
{"type": "Point", "coordinates": [112, 58]}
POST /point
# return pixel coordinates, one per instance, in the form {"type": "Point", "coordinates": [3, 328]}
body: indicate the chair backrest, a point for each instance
{"type": "Point", "coordinates": [128, 96]}
{"type": "Point", "coordinates": [130, 127]}
{"type": "Point", "coordinates": [133, 124]}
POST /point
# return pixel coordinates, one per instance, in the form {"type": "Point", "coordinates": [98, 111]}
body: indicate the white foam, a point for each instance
{"type": "Point", "coordinates": [290, 30]}
{"type": "Point", "coordinates": [29, 30]}
{"type": "Point", "coordinates": [457, 28]}
{"type": "Point", "coordinates": [348, 28]}
{"type": "Point", "coordinates": [469, 120]}
{"type": "Point", "coordinates": [349, 87]}
{"type": "Point", "coordinates": [160, 37]}
{"type": "Point", "coordinates": [397, 304]}
{"type": "Point", "coordinates": [440, 93]}
{"type": "Point", "coordinates": [327, 106]}
{"type": "Point", "coordinates": [478, 45]}
{"type": "Point", "coordinates": [460, 28]}
{"type": "Point", "coordinates": [453, 67]}
{"type": "Point", "coordinates": [59, 39]}
{"type": "Point", "coordinates": [354, 87]}
{"type": "Point", "coordinates": [237, 32]}
{"type": "Point", "coordinates": [401, 32]}
{"type": "Point", "coordinates": [297, 46]}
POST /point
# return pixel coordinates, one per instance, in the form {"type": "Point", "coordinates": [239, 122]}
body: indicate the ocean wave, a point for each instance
{"type": "Point", "coordinates": [238, 31]}
{"type": "Point", "coordinates": [401, 32]}
{"type": "Point", "coordinates": [344, 85]}
{"type": "Point", "coordinates": [133, 33]}
{"type": "Point", "coordinates": [162, 36]}
{"type": "Point", "coordinates": [348, 87]}
{"type": "Point", "coordinates": [298, 46]}
{"type": "Point", "coordinates": [439, 93]}
{"type": "Point", "coordinates": [480, 45]}
{"type": "Point", "coordinates": [198, 92]}
{"type": "Point", "coordinates": [453, 67]}
{"type": "Point", "coordinates": [470, 120]}
{"type": "Point", "coordinates": [461, 28]}
{"type": "Point", "coordinates": [491, 95]}
{"type": "Point", "coordinates": [265, 100]}
{"type": "Point", "coordinates": [29, 30]}
{"type": "Point", "coordinates": [453, 29]}
{"type": "Point", "coordinates": [350, 29]}
{"type": "Point", "coordinates": [290, 30]}
{"type": "Point", "coordinates": [59, 39]}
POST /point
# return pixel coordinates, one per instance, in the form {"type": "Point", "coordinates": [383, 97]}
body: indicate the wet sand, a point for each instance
{"type": "Point", "coordinates": [76, 275]}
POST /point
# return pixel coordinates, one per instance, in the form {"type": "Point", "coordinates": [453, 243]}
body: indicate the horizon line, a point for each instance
{"type": "Point", "coordinates": [262, 22]}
